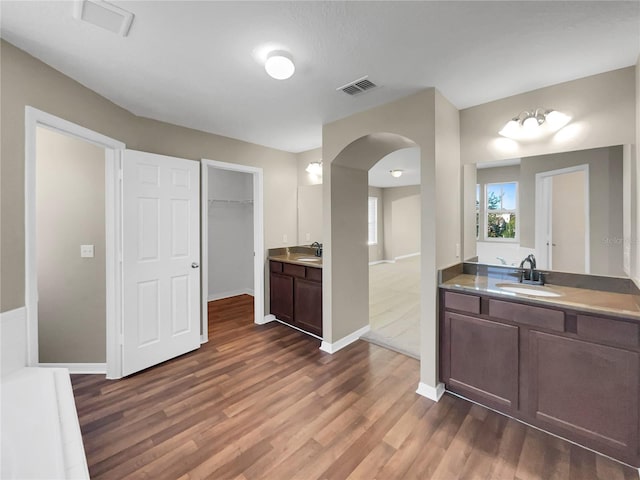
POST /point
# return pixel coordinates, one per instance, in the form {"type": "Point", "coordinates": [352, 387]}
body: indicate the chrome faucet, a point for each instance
{"type": "Point", "coordinates": [502, 260]}
{"type": "Point", "coordinates": [318, 247]}
{"type": "Point", "coordinates": [530, 275]}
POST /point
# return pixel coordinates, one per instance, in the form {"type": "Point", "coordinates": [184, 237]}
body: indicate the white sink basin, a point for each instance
{"type": "Point", "coordinates": [310, 259]}
{"type": "Point", "coordinates": [533, 290]}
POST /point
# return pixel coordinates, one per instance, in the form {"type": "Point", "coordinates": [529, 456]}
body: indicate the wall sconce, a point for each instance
{"type": "Point", "coordinates": [533, 123]}
{"type": "Point", "coordinates": [395, 173]}
{"type": "Point", "coordinates": [314, 168]}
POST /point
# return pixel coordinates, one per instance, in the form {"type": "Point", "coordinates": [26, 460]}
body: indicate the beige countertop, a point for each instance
{"type": "Point", "coordinates": [297, 259]}
{"type": "Point", "coordinates": [595, 301]}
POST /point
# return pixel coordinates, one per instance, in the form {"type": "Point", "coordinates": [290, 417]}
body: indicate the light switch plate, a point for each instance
{"type": "Point", "coordinates": [308, 236]}
{"type": "Point", "coordinates": [86, 251]}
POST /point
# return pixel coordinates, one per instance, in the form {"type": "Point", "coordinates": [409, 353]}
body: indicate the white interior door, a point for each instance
{"type": "Point", "coordinates": [161, 256]}
{"type": "Point", "coordinates": [568, 229]}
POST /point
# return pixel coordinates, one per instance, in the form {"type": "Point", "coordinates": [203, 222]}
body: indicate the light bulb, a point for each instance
{"type": "Point", "coordinates": [511, 129]}
{"type": "Point", "coordinates": [279, 65]}
{"type": "Point", "coordinates": [557, 120]}
{"type": "Point", "coordinates": [396, 173]}
{"type": "Point", "coordinates": [530, 124]}
{"type": "Point", "coordinates": [314, 168]}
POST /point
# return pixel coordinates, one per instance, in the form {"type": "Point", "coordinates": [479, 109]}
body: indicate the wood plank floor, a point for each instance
{"type": "Point", "coordinates": [262, 402]}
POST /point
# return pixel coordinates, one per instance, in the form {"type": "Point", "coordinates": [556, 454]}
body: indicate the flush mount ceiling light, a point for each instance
{"type": "Point", "coordinates": [279, 65]}
{"type": "Point", "coordinates": [396, 173]}
{"type": "Point", "coordinates": [314, 168]}
{"type": "Point", "coordinates": [533, 123]}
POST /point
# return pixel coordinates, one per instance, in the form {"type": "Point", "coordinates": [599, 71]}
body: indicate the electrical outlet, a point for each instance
{"type": "Point", "coordinates": [457, 250]}
{"type": "Point", "coordinates": [308, 236]}
{"type": "Point", "coordinates": [86, 251]}
{"type": "Point", "coordinates": [285, 238]}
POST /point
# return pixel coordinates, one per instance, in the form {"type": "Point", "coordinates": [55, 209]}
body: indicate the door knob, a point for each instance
{"type": "Point", "coordinates": [194, 265]}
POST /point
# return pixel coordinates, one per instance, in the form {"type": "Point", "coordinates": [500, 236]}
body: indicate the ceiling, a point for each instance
{"type": "Point", "coordinates": [199, 64]}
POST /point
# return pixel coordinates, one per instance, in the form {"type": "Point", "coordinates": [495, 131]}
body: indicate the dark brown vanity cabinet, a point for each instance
{"type": "Point", "coordinates": [572, 374]}
{"type": "Point", "coordinates": [296, 295]}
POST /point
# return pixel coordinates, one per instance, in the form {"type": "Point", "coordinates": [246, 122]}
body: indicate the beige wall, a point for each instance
{"type": "Point", "coordinates": [602, 107]}
{"type": "Point", "coordinates": [359, 141]}
{"type": "Point", "coordinates": [449, 183]}
{"type": "Point", "coordinates": [27, 81]}
{"type": "Point", "coordinates": [70, 204]}
{"type": "Point", "coordinates": [635, 172]}
{"type": "Point", "coordinates": [401, 221]}
{"type": "Point", "coordinates": [469, 211]}
{"type": "Point", "coordinates": [376, 252]}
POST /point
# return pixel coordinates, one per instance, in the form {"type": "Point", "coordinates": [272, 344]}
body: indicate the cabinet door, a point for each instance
{"type": "Point", "coordinates": [308, 305]}
{"type": "Point", "coordinates": [281, 296]}
{"type": "Point", "coordinates": [481, 360]}
{"type": "Point", "coordinates": [586, 392]}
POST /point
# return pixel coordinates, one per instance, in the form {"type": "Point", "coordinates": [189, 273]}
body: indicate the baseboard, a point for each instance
{"type": "Point", "coordinates": [77, 368]}
{"type": "Point", "coordinates": [430, 392]}
{"type": "Point", "coordinates": [344, 341]}
{"type": "Point", "coordinates": [13, 333]}
{"type": "Point", "coordinates": [408, 256]}
{"type": "Point", "coordinates": [266, 319]}
{"type": "Point", "coordinates": [232, 293]}
{"type": "Point", "coordinates": [378, 262]}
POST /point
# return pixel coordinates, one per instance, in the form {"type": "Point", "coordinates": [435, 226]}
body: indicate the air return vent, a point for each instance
{"type": "Point", "coordinates": [104, 15]}
{"type": "Point", "coordinates": [357, 86]}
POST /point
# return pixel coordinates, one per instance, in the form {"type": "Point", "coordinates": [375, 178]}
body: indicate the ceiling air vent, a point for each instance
{"type": "Point", "coordinates": [104, 15]}
{"type": "Point", "coordinates": [357, 86]}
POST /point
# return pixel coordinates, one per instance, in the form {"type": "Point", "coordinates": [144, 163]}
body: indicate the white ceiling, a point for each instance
{"type": "Point", "coordinates": [197, 63]}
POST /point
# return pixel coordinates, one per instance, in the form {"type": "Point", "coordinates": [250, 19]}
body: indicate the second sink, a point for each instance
{"type": "Point", "coordinates": [533, 290]}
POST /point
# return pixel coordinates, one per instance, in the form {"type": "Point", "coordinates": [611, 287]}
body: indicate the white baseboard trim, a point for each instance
{"type": "Point", "coordinates": [430, 392]}
{"type": "Point", "coordinates": [75, 368]}
{"type": "Point", "coordinates": [344, 341]}
{"type": "Point", "coordinates": [266, 319]}
{"type": "Point", "coordinates": [408, 256]}
{"type": "Point", "coordinates": [232, 293]}
{"type": "Point", "coordinates": [378, 262]}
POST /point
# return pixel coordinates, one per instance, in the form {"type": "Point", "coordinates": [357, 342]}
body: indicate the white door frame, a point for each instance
{"type": "Point", "coordinates": [258, 239]}
{"type": "Point", "coordinates": [543, 220]}
{"type": "Point", "coordinates": [113, 157]}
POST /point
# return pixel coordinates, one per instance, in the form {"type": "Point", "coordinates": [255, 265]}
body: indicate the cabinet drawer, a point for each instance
{"type": "Point", "coordinates": [275, 266]}
{"type": "Point", "coordinates": [527, 315]}
{"type": "Point", "coordinates": [314, 274]}
{"type": "Point", "coordinates": [608, 330]}
{"type": "Point", "coordinates": [462, 302]}
{"type": "Point", "coordinates": [293, 270]}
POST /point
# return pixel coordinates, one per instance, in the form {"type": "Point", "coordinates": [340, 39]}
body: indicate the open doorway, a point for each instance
{"type": "Point", "coordinates": [71, 246]}
{"type": "Point", "coordinates": [80, 294]}
{"type": "Point", "coordinates": [394, 252]}
{"type": "Point", "coordinates": [562, 219]}
{"type": "Point", "coordinates": [232, 236]}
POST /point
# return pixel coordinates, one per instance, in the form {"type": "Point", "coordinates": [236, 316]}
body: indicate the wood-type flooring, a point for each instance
{"type": "Point", "coordinates": [263, 402]}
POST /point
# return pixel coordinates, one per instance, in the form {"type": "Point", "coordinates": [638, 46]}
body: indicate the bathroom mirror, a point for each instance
{"type": "Point", "coordinates": [570, 209]}
{"type": "Point", "coordinates": [309, 214]}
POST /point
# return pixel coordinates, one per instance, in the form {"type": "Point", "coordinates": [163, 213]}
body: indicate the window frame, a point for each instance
{"type": "Point", "coordinates": [515, 211]}
{"type": "Point", "coordinates": [375, 221]}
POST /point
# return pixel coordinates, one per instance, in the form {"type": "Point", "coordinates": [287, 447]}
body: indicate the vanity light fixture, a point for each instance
{"type": "Point", "coordinates": [279, 65]}
{"type": "Point", "coordinates": [395, 173]}
{"type": "Point", "coordinates": [532, 123]}
{"type": "Point", "coordinates": [314, 168]}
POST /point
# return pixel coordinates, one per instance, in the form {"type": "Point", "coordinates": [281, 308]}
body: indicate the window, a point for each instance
{"type": "Point", "coordinates": [373, 221]}
{"type": "Point", "coordinates": [501, 204]}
